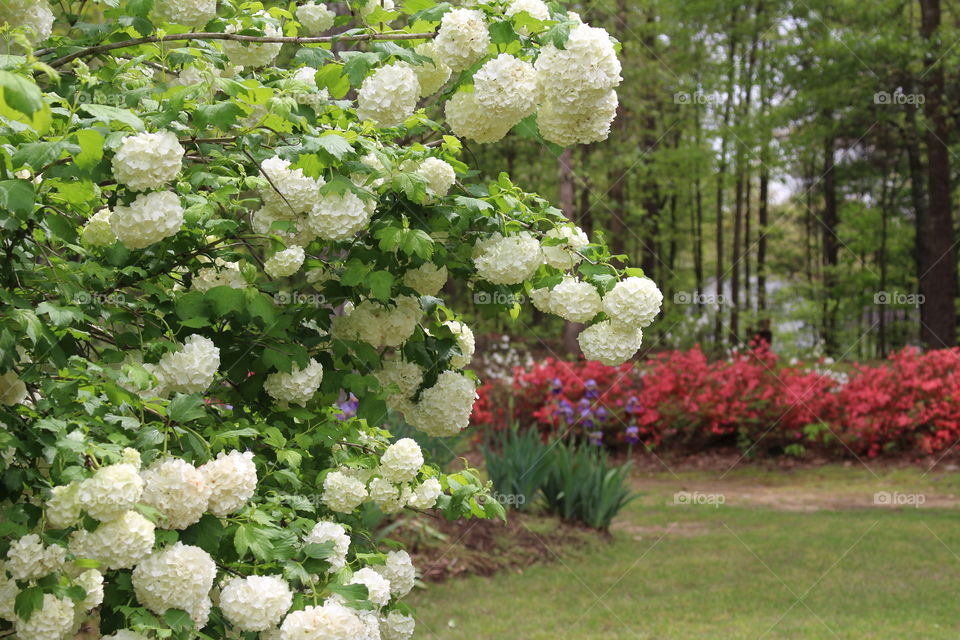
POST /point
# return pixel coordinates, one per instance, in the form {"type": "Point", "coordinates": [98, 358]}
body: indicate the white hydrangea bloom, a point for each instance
{"type": "Point", "coordinates": [579, 125]}
{"type": "Point", "coordinates": [387, 496]}
{"type": "Point", "coordinates": [343, 493]}
{"type": "Point", "coordinates": [407, 376]}
{"type": "Point", "coordinates": [255, 603]}
{"type": "Point", "coordinates": [575, 300]}
{"type": "Point", "coordinates": [118, 544]}
{"type": "Point", "coordinates": [562, 256]}
{"type": "Point", "coordinates": [148, 219]}
{"type": "Point", "coordinates": [53, 621]}
{"type": "Point", "coordinates": [91, 581]}
{"type": "Point", "coordinates": [98, 232]}
{"type": "Point", "coordinates": [296, 387]}
{"type": "Point", "coordinates": [125, 634]}
{"type": "Point", "coordinates": [536, 8]}
{"type": "Point", "coordinates": [63, 507]}
{"type": "Point", "coordinates": [378, 324]}
{"type": "Point", "coordinates": [463, 38]}
{"type": "Point", "coordinates": [633, 302]}
{"type": "Point", "coordinates": [178, 577]}
{"type": "Point", "coordinates": [399, 570]}
{"type": "Point", "coordinates": [13, 391]}
{"type": "Point", "coordinates": [609, 344]}
{"type": "Point", "coordinates": [8, 596]}
{"type": "Point", "coordinates": [297, 192]}
{"type": "Point", "coordinates": [371, 5]}
{"type": "Point", "coordinates": [193, 13]}
{"type": "Point", "coordinates": [224, 274]}
{"type": "Point", "coordinates": [176, 489]}
{"type": "Point", "coordinates": [147, 161]}
{"type": "Point", "coordinates": [586, 65]}
{"type": "Point", "coordinates": [332, 621]}
{"type": "Point", "coordinates": [315, 18]}
{"type": "Point", "coordinates": [439, 175]}
{"type": "Point", "coordinates": [465, 341]}
{"type": "Point", "coordinates": [507, 260]}
{"type": "Point", "coordinates": [35, 16]}
{"type": "Point", "coordinates": [426, 494]}
{"type": "Point", "coordinates": [467, 119]}
{"type": "Point", "coordinates": [397, 626]}
{"type": "Point", "coordinates": [444, 409]}
{"type": "Point", "coordinates": [285, 263]}
{"type": "Point", "coordinates": [340, 217]}
{"type": "Point", "coordinates": [112, 491]}
{"type": "Point", "coordinates": [378, 587]}
{"type": "Point", "coordinates": [29, 559]}
{"type": "Point", "coordinates": [432, 75]}
{"type": "Point", "coordinates": [508, 87]}
{"type": "Point", "coordinates": [325, 531]}
{"type": "Point", "coordinates": [253, 54]}
{"type": "Point", "coordinates": [541, 299]}
{"type": "Point", "coordinates": [232, 479]}
{"type": "Point", "coordinates": [427, 279]}
{"type": "Point", "coordinates": [401, 461]}
{"type": "Point", "coordinates": [189, 369]}
{"type": "Point", "coordinates": [389, 95]}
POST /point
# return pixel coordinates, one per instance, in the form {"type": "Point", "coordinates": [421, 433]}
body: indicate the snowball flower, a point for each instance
{"type": "Point", "coordinates": [465, 342]}
{"type": "Point", "coordinates": [396, 626]}
{"type": "Point", "coordinates": [28, 559]}
{"type": "Point", "coordinates": [63, 507]}
{"type": "Point", "coordinates": [378, 324]}
{"type": "Point", "coordinates": [98, 232]}
{"type": "Point", "coordinates": [112, 491]}
{"type": "Point", "coordinates": [427, 279]}
{"type": "Point", "coordinates": [562, 256]}
{"type": "Point", "coordinates": [444, 409]}
{"type": "Point", "coordinates": [425, 496]}
{"type": "Point", "coordinates": [401, 461]}
{"type": "Point", "coordinates": [13, 391]}
{"type": "Point", "coordinates": [147, 161]}
{"type": "Point", "coordinates": [340, 217]}
{"type": "Point", "coordinates": [224, 274]}
{"type": "Point", "coordinates": [176, 489]}
{"type": "Point", "coordinates": [463, 38]}
{"type": "Point", "coordinates": [298, 386]}
{"type": "Point", "coordinates": [633, 302]}
{"type": "Point", "coordinates": [315, 18]}
{"type": "Point", "coordinates": [285, 263]}
{"type": "Point", "coordinates": [255, 603]}
{"type": "Point", "coordinates": [148, 219]}
{"type": "Point", "coordinates": [232, 479]}
{"type": "Point", "coordinates": [507, 86]}
{"type": "Point", "coordinates": [342, 493]}
{"type": "Point", "coordinates": [407, 376]}
{"type": "Point", "coordinates": [35, 16]}
{"type": "Point", "coordinates": [178, 577]}
{"type": "Point", "coordinates": [192, 13]}
{"type": "Point", "coordinates": [118, 544]}
{"type": "Point", "coordinates": [288, 191]}
{"type": "Point", "coordinates": [325, 531]}
{"type": "Point", "coordinates": [332, 621]}
{"type": "Point", "coordinates": [8, 596]}
{"type": "Point", "coordinates": [387, 496]}
{"type": "Point", "coordinates": [92, 583]}
{"type": "Point", "coordinates": [54, 620]}
{"type": "Point", "coordinates": [399, 570]}
{"type": "Point", "coordinates": [589, 121]}
{"type": "Point", "coordinates": [575, 300]}
{"type": "Point", "coordinates": [467, 119]}
{"type": "Point", "coordinates": [389, 95]}
{"type": "Point", "coordinates": [252, 55]}
{"type": "Point", "coordinates": [432, 75]}
{"type": "Point", "coordinates": [609, 344]}
{"type": "Point", "coordinates": [587, 65]}
{"type": "Point", "coordinates": [536, 8]}
{"type": "Point", "coordinates": [507, 260]}
{"type": "Point", "coordinates": [439, 175]}
{"type": "Point", "coordinates": [189, 369]}
{"type": "Point", "coordinates": [378, 587]}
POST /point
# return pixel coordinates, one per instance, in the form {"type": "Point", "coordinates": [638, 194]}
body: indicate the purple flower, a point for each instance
{"type": "Point", "coordinates": [591, 390]}
{"type": "Point", "coordinates": [557, 387]}
{"type": "Point", "coordinates": [633, 434]}
{"type": "Point", "coordinates": [596, 438]}
{"type": "Point", "coordinates": [348, 408]}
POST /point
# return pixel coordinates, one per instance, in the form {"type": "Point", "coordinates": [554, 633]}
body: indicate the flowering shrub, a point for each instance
{"type": "Point", "coordinates": [223, 248]}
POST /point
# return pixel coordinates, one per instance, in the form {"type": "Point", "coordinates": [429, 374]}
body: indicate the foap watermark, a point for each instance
{"type": "Point", "coordinates": [697, 97]}
{"type": "Point", "coordinates": [899, 98]}
{"type": "Point", "coordinates": [698, 498]}
{"type": "Point", "coordinates": [898, 298]}
{"type": "Point", "coordinates": [498, 298]}
{"type": "Point", "coordinates": [90, 297]}
{"type": "Point", "coordinates": [897, 499]}
{"type": "Point", "coordinates": [514, 500]}
{"type": "Point", "coordinates": [695, 297]}
{"type": "Point", "coordinates": [310, 299]}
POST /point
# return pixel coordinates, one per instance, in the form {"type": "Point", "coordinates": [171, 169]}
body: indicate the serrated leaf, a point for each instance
{"type": "Point", "coordinates": [108, 115]}
{"type": "Point", "coordinates": [185, 408]}
{"type": "Point", "coordinates": [91, 149]}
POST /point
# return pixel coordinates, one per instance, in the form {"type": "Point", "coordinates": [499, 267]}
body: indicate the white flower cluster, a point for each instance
{"type": "Point", "coordinates": [465, 341]}
{"type": "Point", "coordinates": [148, 161]}
{"type": "Point", "coordinates": [285, 263]}
{"type": "Point", "coordinates": [536, 8]}
{"type": "Point", "coordinates": [54, 620]}
{"type": "Point", "coordinates": [315, 18]}
{"type": "Point", "coordinates": [35, 16]}
{"type": "Point", "coordinates": [148, 219]}
{"type": "Point", "coordinates": [378, 587]}
{"type": "Point", "coordinates": [507, 88]}
{"type": "Point", "coordinates": [401, 461]}
{"type": "Point", "coordinates": [29, 559]}
{"type": "Point", "coordinates": [633, 302]}
{"type": "Point", "coordinates": [340, 216]}
{"type": "Point", "coordinates": [325, 531]}
{"type": "Point", "coordinates": [609, 343]}
{"type": "Point", "coordinates": [289, 191]}
{"type": "Point", "coordinates": [578, 125]}
{"type": "Point", "coordinates": [468, 119]}
{"type": "Point", "coordinates": [427, 279]}
{"type": "Point", "coordinates": [575, 300]}
{"type": "Point", "coordinates": [192, 13]}
{"type": "Point", "coordinates": [407, 376]}
{"type": "Point", "coordinates": [389, 95]}
{"type": "Point", "coordinates": [332, 621]}
{"type": "Point", "coordinates": [232, 478]}
{"type": "Point", "coordinates": [13, 391]}
{"type": "Point", "coordinates": [439, 175]}
{"type": "Point", "coordinates": [296, 387]}
{"type": "Point", "coordinates": [178, 577]}
{"type": "Point", "coordinates": [63, 507]}
{"type": "Point", "coordinates": [444, 409]}
{"type": "Point", "coordinates": [189, 369]}
{"type": "Point", "coordinates": [255, 603]}
{"type": "Point", "coordinates": [8, 596]}
{"type": "Point", "coordinates": [396, 626]}
{"type": "Point", "coordinates": [378, 324]}
{"type": "Point", "coordinates": [118, 544]}
{"type": "Point", "coordinates": [426, 494]}
{"type": "Point", "coordinates": [398, 569]}
{"type": "Point", "coordinates": [463, 38]}
{"type": "Point", "coordinates": [176, 489]}
{"type": "Point", "coordinates": [432, 75]}
{"type": "Point", "coordinates": [507, 260]}
{"type": "Point", "coordinates": [224, 274]}
{"type": "Point", "coordinates": [342, 492]}
{"type": "Point", "coordinates": [110, 492]}
{"type": "Point", "coordinates": [253, 54]}
{"type": "Point", "coordinates": [562, 256]}
{"type": "Point", "coordinates": [91, 581]}
{"type": "Point", "coordinates": [97, 232]}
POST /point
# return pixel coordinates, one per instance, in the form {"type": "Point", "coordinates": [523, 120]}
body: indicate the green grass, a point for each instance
{"type": "Point", "coordinates": [746, 569]}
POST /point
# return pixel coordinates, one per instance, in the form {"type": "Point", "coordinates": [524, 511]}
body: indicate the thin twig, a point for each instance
{"type": "Point", "coordinates": [265, 175]}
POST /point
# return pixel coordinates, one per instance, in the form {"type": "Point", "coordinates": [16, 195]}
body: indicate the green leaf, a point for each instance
{"type": "Point", "coordinates": [335, 144]}
{"type": "Point", "coordinates": [358, 65]}
{"type": "Point", "coordinates": [319, 550]}
{"type": "Point", "coordinates": [332, 78]}
{"type": "Point", "coordinates": [60, 227]}
{"type": "Point", "coordinates": [28, 601]}
{"type": "Point", "coordinates": [185, 408]}
{"type": "Point", "coordinates": [205, 534]}
{"type": "Point", "coordinates": [314, 57]}
{"type": "Point", "coordinates": [558, 34]}
{"type": "Point", "coordinates": [21, 100]}
{"type": "Point", "coordinates": [502, 33]}
{"type": "Point", "coordinates": [17, 196]}
{"type": "Point", "coordinates": [108, 115]}
{"type": "Point", "coordinates": [224, 300]}
{"type": "Point", "coordinates": [380, 283]}
{"type": "Point", "coordinates": [91, 149]}
{"type": "Point", "coordinates": [178, 620]}
{"type": "Point", "coordinates": [222, 115]}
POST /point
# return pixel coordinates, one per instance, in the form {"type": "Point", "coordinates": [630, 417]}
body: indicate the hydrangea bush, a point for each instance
{"type": "Point", "coordinates": [217, 220]}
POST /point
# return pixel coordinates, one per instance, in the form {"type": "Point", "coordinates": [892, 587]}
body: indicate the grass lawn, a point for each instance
{"type": "Point", "coordinates": [800, 554]}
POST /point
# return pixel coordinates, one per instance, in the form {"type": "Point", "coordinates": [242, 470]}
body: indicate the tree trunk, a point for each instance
{"type": "Point", "coordinates": [718, 332]}
{"type": "Point", "coordinates": [831, 245]}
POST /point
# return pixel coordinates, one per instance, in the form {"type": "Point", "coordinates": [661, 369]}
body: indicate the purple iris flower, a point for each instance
{"type": "Point", "coordinates": [596, 438]}
{"type": "Point", "coordinates": [633, 434]}
{"type": "Point", "coordinates": [348, 408]}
